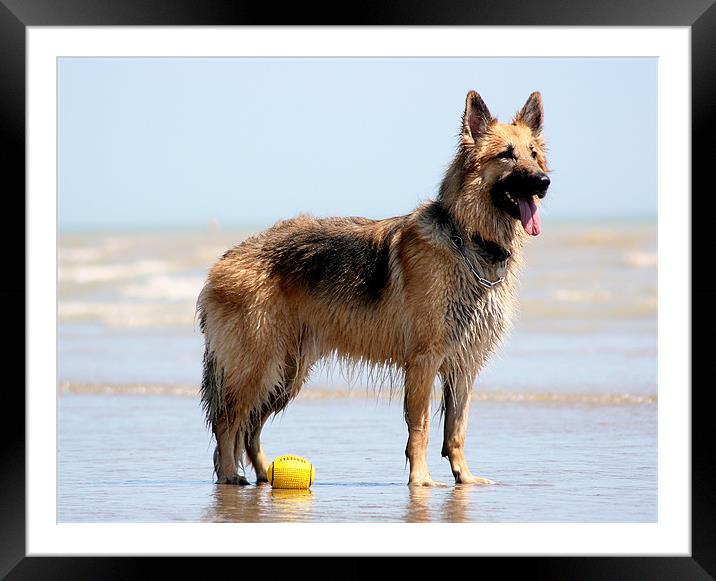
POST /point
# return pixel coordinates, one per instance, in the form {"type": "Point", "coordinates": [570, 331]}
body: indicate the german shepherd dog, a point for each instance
{"type": "Point", "coordinates": [429, 294]}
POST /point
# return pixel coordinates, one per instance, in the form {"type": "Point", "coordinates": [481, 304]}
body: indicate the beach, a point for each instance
{"type": "Point", "coordinates": [564, 418]}
{"type": "Point", "coordinates": [131, 458]}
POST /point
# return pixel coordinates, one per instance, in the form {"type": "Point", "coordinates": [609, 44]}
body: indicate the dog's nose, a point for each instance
{"type": "Point", "coordinates": [542, 183]}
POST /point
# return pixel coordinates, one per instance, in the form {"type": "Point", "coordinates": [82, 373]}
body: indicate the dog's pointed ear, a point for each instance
{"type": "Point", "coordinates": [532, 113]}
{"type": "Point", "coordinates": [476, 119]}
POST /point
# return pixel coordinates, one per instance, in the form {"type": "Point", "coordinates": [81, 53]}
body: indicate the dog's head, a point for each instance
{"type": "Point", "coordinates": [507, 159]}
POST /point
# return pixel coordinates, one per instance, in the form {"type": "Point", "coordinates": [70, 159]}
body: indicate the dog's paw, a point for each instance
{"type": "Point", "coordinates": [427, 482]}
{"type": "Point", "coordinates": [235, 479]}
{"type": "Point", "coordinates": [470, 479]}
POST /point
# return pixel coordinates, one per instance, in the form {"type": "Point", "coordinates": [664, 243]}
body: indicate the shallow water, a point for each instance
{"type": "Point", "coordinates": [127, 458]}
{"type": "Point", "coordinates": [564, 417]}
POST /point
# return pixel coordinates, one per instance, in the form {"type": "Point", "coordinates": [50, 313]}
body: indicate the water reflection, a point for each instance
{"type": "Point", "coordinates": [258, 504]}
{"type": "Point", "coordinates": [291, 505]}
{"type": "Point", "coordinates": [418, 508]}
{"type": "Point", "coordinates": [453, 504]}
{"type": "Point", "coordinates": [457, 503]}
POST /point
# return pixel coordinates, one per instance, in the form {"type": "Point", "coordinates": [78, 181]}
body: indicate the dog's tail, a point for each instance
{"type": "Point", "coordinates": [212, 380]}
{"type": "Point", "coordinates": [211, 387]}
{"type": "Point", "coordinates": [212, 374]}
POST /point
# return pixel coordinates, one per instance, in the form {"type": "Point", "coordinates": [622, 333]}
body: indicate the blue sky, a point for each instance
{"type": "Point", "coordinates": [184, 142]}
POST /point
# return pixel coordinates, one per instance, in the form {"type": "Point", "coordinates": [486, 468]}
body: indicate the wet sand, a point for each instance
{"type": "Point", "coordinates": [147, 458]}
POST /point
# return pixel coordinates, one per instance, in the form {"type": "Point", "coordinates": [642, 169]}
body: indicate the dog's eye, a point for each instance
{"type": "Point", "coordinates": [534, 154]}
{"type": "Point", "coordinates": [509, 153]}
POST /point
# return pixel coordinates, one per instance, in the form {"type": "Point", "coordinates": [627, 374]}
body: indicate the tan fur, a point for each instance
{"type": "Point", "coordinates": [262, 332]}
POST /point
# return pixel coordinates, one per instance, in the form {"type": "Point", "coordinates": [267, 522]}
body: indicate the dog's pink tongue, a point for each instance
{"type": "Point", "coordinates": [529, 214]}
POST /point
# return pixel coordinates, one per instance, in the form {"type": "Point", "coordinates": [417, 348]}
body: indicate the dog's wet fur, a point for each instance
{"type": "Point", "coordinates": [410, 295]}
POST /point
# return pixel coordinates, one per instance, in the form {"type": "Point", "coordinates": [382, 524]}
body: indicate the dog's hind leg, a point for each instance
{"type": "Point", "coordinates": [252, 444]}
{"type": "Point", "coordinates": [294, 377]}
{"type": "Point", "coordinates": [243, 393]}
{"type": "Point", "coordinates": [225, 464]}
{"type": "Point", "coordinates": [456, 402]}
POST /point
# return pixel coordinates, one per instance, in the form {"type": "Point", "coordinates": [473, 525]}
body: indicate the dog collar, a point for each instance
{"type": "Point", "coordinates": [458, 243]}
{"type": "Point", "coordinates": [488, 250]}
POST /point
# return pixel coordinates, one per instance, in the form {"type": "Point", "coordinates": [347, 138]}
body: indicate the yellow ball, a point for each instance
{"type": "Point", "coordinates": [291, 472]}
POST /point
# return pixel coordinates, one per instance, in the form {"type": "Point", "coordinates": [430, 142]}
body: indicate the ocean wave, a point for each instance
{"type": "Point", "coordinates": [313, 394]}
{"type": "Point", "coordinates": [88, 274]}
{"type": "Point", "coordinates": [568, 398]}
{"type": "Point", "coordinates": [582, 296]}
{"type": "Point", "coordinates": [649, 303]}
{"type": "Point", "coordinates": [641, 259]}
{"type": "Point", "coordinates": [79, 254]}
{"type": "Point", "coordinates": [129, 314]}
{"type": "Point", "coordinates": [608, 238]}
{"type": "Point", "coordinates": [127, 389]}
{"type": "Point", "coordinates": [170, 288]}
{"type": "Point", "coordinates": [209, 254]}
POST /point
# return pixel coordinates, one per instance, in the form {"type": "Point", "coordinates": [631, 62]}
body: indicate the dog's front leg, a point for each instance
{"type": "Point", "coordinates": [456, 399]}
{"type": "Point", "coordinates": [419, 376]}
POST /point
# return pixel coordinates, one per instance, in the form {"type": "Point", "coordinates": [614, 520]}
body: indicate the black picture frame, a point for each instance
{"type": "Point", "coordinates": [17, 15]}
